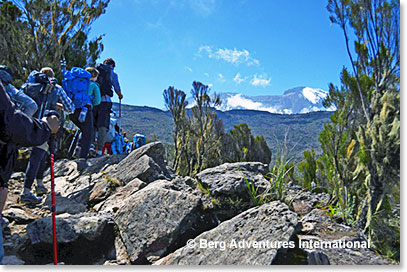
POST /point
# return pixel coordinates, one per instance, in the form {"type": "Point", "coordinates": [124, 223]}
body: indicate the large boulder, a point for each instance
{"type": "Point", "coordinates": [230, 179]}
{"type": "Point", "coordinates": [344, 245]}
{"type": "Point", "coordinates": [116, 200]}
{"type": "Point", "coordinates": [156, 220]}
{"type": "Point", "coordinates": [81, 239]}
{"type": "Point", "coordinates": [146, 163]}
{"type": "Point", "coordinates": [254, 237]}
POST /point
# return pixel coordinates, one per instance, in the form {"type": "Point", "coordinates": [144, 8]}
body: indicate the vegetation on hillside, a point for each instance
{"type": "Point", "coordinates": [200, 140]}
{"type": "Point", "coordinates": [360, 164]}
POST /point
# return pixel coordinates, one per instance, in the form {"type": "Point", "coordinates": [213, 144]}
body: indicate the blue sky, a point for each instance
{"type": "Point", "coordinates": [253, 47]}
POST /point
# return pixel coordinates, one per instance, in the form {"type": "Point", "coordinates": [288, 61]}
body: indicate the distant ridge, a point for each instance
{"type": "Point", "coordinates": [293, 101]}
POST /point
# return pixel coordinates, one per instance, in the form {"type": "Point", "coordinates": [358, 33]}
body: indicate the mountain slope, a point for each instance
{"type": "Point", "coordinates": [301, 131]}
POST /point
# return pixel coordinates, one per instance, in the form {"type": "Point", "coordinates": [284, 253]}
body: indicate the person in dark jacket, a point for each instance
{"type": "Point", "coordinates": [16, 128]}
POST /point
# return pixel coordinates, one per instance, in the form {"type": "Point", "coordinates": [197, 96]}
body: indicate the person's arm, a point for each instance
{"type": "Point", "coordinates": [65, 100]}
{"type": "Point", "coordinates": [28, 105]}
{"type": "Point", "coordinates": [116, 85]}
{"type": "Point", "coordinates": [96, 95]}
{"type": "Point", "coordinates": [18, 128]}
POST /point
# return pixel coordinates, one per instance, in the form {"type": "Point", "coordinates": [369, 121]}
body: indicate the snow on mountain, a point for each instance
{"type": "Point", "coordinates": [296, 100]}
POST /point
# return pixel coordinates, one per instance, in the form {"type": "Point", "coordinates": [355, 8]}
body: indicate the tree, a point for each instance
{"type": "Point", "coordinates": [200, 140]}
{"type": "Point", "coordinates": [240, 145]}
{"type": "Point", "coordinates": [175, 102]}
{"type": "Point", "coordinates": [40, 32]}
{"type": "Point", "coordinates": [367, 122]}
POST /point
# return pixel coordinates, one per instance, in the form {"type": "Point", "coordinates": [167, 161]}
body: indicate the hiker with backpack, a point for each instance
{"type": "Point", "coordinates": [94, 92]}
{"type": "Point", "coordinates": [17, 128]}
{"type": "Point", "coordinates": [47, 98]}
{"type": "Point", "coordinates": [108, 80]}
{"type": "Point", "coordinates": [24, 102]}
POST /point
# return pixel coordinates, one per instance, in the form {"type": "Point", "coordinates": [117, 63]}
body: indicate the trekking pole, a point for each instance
{"type": "Point", "coordinates": [73, 141]}
{"type": "Point", "coordinates": [54, 226]}
{"type": "Point", "coordinates": [120, 115]}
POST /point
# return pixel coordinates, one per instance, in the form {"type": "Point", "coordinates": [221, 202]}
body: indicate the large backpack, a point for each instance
{"type": "Point", "coordinates": [104, 79]}
{"type": "Point", "coordinates": [76, 85]}
{"type": "Point", "coordinates": [39, 88]}
{"type": "Point", "coordinates": [138, 141]}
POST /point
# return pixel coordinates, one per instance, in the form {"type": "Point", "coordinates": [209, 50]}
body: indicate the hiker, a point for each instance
{"type": "Point", "coordinates": [36, 165]}
{"type": "Point", "coordinates": [94, 93]}
{"type": "Point", "coordinates": [118, 142]}
{"type": "Point", "coordinates": [77, 85]}
{"type": "Point", "coordinates": [110, 135]}
{"type": "Point", "coordinates": [23, 101]}
{"type": "Point", "coordinates": [17, 128]}
{"type": "Point", "coordinates": [107, 80]}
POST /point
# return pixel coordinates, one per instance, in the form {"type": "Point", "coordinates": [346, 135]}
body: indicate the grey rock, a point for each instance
{"type": "Point", "coordinates": [319, 226]}
{"type": "Point", "coordinates": [12, 260]}
{"type": "Point", "coordinates": [18, 175]}
{"type": "Point", "coordinates": [64, 205]}
{"type": "Point", "coordinates": [229, 179]}
{"type": "Point", "coordinates": [145, 163]}
{"type": "Point", "coordinates": [259, 231]}
{"type": "Point", "coordinates": [116, 200]}
{"type": "Point", "coordinates": [155, 219]}
{"type": "Point", "coordinates": [316, 257]}
{"type": "Point", "coordinates": [19, 216]}
{"type": "Point", "coordinates": [81, 238]}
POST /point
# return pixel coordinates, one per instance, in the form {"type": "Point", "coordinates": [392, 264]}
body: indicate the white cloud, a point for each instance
{"type": "Point", "coordinates": [260, 80]}
{"type": "Point", "coordinates": [233, 56]}
{"type": "Point", "coordinates": [237, 101]}
{"type": "Point", "coordinates": [203, 7]}
{"type": "Point", "coordinates": [188, 68]}
{"type": "Point", "coordinates": [206, 74]}
{"type": "Point", "coordinates": [221, 78]}
{"type": "Point", "coordinates": [210, 85]}
{"type": "Point", "coordinates": [238, 78]}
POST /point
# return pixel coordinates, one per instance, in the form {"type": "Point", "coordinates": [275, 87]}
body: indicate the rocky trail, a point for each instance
{"type": "Point", "coordinates": [133, 209]}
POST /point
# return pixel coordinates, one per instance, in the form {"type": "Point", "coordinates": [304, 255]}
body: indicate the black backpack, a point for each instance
{"type": "Point", "coordinates": [104, 79]}
{"type": "Point", "coordinates": [35, 85]}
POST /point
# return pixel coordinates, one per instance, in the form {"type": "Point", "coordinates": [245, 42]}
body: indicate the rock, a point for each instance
{"type": "Point", "coordinates": [12, 260]}
{"type": "Point", "coordinates": [81, 238]}
{"type": "Point", "coordinates": [18, 175]}
{"type": "Point", "coordinates": [253, 237]}
{"type": "Point", "coordinates": [317, 258]}
{"type": "Point", "coordinates": [145, 163]}
{"type": "Point", "coordinates": [156, 220]}
{"type": "Point", "coordinates": [229, 179]}
{"type": "Point", "coordinates": [19, 216]}
{"type": "Point", "coordinates": [122, 257]}
{"type": "Point", "coordinates": [64, 205]}
{"type": "Point", "coordinates": [304, 201]}
{"type": "Point", "coordinates": [115, 201]}
{"type": "Point", "coordinates": [318, 226]}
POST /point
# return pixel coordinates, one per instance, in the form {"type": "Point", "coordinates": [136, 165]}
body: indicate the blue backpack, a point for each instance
{"type": "Point", "coordinates": [138, 141]}
{"type": "Point", "coordinates": [76, 85]}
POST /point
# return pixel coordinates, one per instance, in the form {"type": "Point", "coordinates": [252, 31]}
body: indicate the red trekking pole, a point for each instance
{"type": "Point", "coordinates": [54, 226]}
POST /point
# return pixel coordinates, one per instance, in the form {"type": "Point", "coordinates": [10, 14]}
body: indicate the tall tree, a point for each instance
{"type": "Point", "coordinates": [368, 117]}
{"type": "Point", "coordinates": [44, 31]}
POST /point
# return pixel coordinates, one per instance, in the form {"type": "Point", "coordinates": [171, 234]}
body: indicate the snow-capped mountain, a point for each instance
{"type": "Point", "coordinates": [296, 100]}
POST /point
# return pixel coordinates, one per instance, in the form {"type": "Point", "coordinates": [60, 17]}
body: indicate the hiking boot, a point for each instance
{"type": "Point", "coordinates": [30, 198]}
{"type": "Point", "coordinates": [81, 164]}
{"type": "Point", "coordinates": [40, 190]}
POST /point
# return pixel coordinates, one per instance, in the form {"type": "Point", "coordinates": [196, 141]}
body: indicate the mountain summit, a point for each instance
{"type": "Point", "coordinates": [296, 100]}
